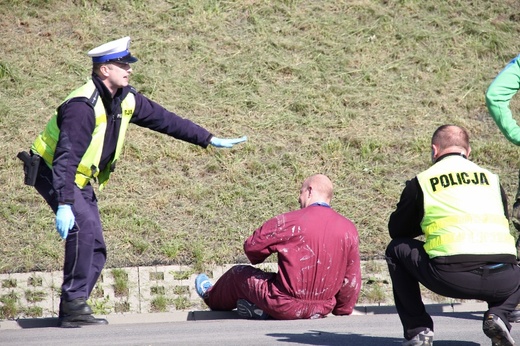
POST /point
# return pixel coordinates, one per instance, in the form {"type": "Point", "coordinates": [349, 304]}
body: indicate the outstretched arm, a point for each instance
{"type": "Point", "coordinates": [498, 97]}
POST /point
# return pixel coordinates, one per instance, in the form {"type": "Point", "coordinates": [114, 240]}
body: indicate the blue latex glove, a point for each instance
{"type": "Point", "coordinates": [226, 142]}
{"type": "Point", "coordinates": [64, 220]}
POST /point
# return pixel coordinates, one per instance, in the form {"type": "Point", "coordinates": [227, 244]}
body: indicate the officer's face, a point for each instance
{"type": "Point", "coordinates": [118, 75]}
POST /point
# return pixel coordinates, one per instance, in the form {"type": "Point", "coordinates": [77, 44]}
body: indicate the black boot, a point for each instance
{"type": "Point", "coordinates": [76, 306]}
{"type": "Point", "coordinates": [76, 321]}
{"type": "Point", "coordinates": [77, 313]}
{"type": "Point", "coordinates": [514, 316]}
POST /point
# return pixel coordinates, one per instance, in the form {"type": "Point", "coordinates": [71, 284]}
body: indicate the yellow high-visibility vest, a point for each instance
{"type": "Point", "coordinates": [463, 210]}
{"type": "Point", "coordinates": [88, 168]}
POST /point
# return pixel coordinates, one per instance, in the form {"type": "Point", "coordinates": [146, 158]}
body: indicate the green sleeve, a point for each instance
{"type": "Point", "coordinates": [498, 96]}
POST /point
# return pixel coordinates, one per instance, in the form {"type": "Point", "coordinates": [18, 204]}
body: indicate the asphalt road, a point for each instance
{"type": "Point", "coordinates": [454, 326]}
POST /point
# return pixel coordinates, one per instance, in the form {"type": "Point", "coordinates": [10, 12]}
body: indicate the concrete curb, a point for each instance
{"type": "Point", "coordinates": [184, 316]}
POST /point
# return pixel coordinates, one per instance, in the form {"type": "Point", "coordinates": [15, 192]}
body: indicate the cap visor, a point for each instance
{"type": "Point", "coordinates": [127, 59]}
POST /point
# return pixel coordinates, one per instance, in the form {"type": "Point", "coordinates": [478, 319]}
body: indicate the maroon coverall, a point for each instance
{"type": "Point", "coordinates": [318, 267]}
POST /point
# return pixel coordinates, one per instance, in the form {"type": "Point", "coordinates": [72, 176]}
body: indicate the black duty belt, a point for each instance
{"type": "Point", "coordinates": [491, 268]}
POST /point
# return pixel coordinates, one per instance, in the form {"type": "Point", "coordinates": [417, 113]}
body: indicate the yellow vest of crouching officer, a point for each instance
{"type": "Point", "coordinates": [45, 143]}
{"type": "Point", "coordinates": [463, 210]}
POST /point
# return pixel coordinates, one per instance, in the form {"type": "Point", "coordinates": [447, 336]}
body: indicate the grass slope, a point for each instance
{"type": "Point", "coordinates": [352, 89]}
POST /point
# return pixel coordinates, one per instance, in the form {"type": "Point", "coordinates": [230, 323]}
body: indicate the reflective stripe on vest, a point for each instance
{"type": "Point", "coordinates": [45, 143]}
{"type": "Point", "coordinates": [455, 219]}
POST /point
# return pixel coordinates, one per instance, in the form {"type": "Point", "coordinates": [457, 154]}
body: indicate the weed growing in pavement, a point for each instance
{"type": "Point", "coordinates": [9, 283]}
{"type": "Point", "coordinates": [158, 290]}
{"type": "Point", "coordinates": [35, 281]}
{"type": "Point", "coordinates": [180, 290]}
{"type": "Point", "coordinates": [97, 292]}
{"type": "Point", "coordinates": [375, 291]}
{"type": "Point", "coordinates": [182, 303]}
{"type": "Point", "coordinates": [182, 275]}
{"type": "Point", "coordinates": [120, 282]}
{"type": "Point", "coordinates": [34, 311]}
{"type": "Point", "coordinates": [100, 306]}
{"type": "Point", "coordinates": [159, 303]}
{"type": "Point", "coordinates": [35, 296]}
{"type": "Point", "coordinates": [10, 306]}
{"type": "Point", "coordinates": [121, 307]}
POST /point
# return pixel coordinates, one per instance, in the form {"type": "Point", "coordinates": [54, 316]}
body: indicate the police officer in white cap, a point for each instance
{"type": "Point", "coordinates": [81, 143]}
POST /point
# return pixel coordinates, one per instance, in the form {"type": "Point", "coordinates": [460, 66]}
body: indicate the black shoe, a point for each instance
{"type": "Point", "coordinates": [76, 321]}
{"type": "Point", "coordinates": [514, 316]}
{"type": "Point", "coordinates": [246, 309]}
{"type": "Point", "coordinates": [496, 330]}
{"type": "Point", "coordinates": [74, 307]}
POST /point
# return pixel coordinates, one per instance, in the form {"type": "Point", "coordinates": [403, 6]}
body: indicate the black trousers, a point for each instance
{"type": "Point", "coordinates": [85, 250]}
{"type": "Point", "coordinates": [409, 265]}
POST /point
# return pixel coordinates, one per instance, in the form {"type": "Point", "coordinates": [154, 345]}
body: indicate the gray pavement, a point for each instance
{"type": "Point", "coordinates": [455, 325]}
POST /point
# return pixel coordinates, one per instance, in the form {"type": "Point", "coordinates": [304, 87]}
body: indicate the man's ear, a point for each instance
{"type": "Point", "coordinates": [104, 70]}
{"type": "Point", "coordinates": [435, 152]}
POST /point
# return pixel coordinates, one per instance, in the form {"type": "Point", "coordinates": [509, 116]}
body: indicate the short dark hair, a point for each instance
{"type": "Point", "coordinates": [451, 136]}
{"type": "Point", "coordinates": [96, 66]}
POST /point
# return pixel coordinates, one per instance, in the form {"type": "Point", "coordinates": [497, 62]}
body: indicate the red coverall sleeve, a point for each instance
{"type": "Point", "coordinates": [347, 296]}
{"type": "Point", "coordinates": [262, 242]}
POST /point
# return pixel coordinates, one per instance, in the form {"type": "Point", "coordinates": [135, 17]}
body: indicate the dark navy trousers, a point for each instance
{"type": "Point", "coordinates": [409, 265]}
{"type": "Point", "coordinates": [85, 250]}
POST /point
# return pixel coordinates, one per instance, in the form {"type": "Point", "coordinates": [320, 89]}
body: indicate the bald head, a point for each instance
{"type": "Point", "coordinates": [316, 188]}
{"type": "Point", "coordinates": [449, 139]}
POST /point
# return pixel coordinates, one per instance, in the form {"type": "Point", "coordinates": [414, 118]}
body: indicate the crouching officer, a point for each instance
{"type": "Point", "coordinates": [468, 253]}
{"type": "Point", "coordinates": [81, 143]}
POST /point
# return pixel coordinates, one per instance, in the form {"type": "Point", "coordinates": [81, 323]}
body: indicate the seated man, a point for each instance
{"type": "Point", "coordinates": [468, 252]}
{"type": "Point", "coordinates": [318, 264]}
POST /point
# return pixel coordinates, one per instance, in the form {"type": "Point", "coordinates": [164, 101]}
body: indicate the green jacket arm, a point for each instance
{"type": "Point", "coordinates": [498, 96]}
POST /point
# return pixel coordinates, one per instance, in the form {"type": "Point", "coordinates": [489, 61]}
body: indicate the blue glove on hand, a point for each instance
{"type": "Point", "coordinates": [64, 220]}
{"type": "Point", "coordinates": [226, 142]}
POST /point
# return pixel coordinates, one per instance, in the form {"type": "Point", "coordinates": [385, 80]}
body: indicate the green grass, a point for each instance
{"type": "Point", "coordinates": [160, 303]}
{"type": "Point", "coordinates": [352, 89]}
{"type": "Point", "coordinates": [120, 282]}
{"type": "Point", "coordinates": [10, 305]}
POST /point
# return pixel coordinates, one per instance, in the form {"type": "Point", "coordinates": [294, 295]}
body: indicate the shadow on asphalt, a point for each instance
{"type": "Point", "coordinates": [433, 309]}
{"type": "Point", "coordinates": [316, 337]}
{"type": "Point", "coordinates": [38, 322]}
{"type": "Point", "coordinates": [212, 315]}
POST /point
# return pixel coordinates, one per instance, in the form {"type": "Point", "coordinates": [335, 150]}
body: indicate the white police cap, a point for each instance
{"type": "Point", "coordinates": [117, 51]}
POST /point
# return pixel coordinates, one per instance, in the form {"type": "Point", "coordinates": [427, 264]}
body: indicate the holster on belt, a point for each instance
{"type": "Point", "coordinates": [31, 163]}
